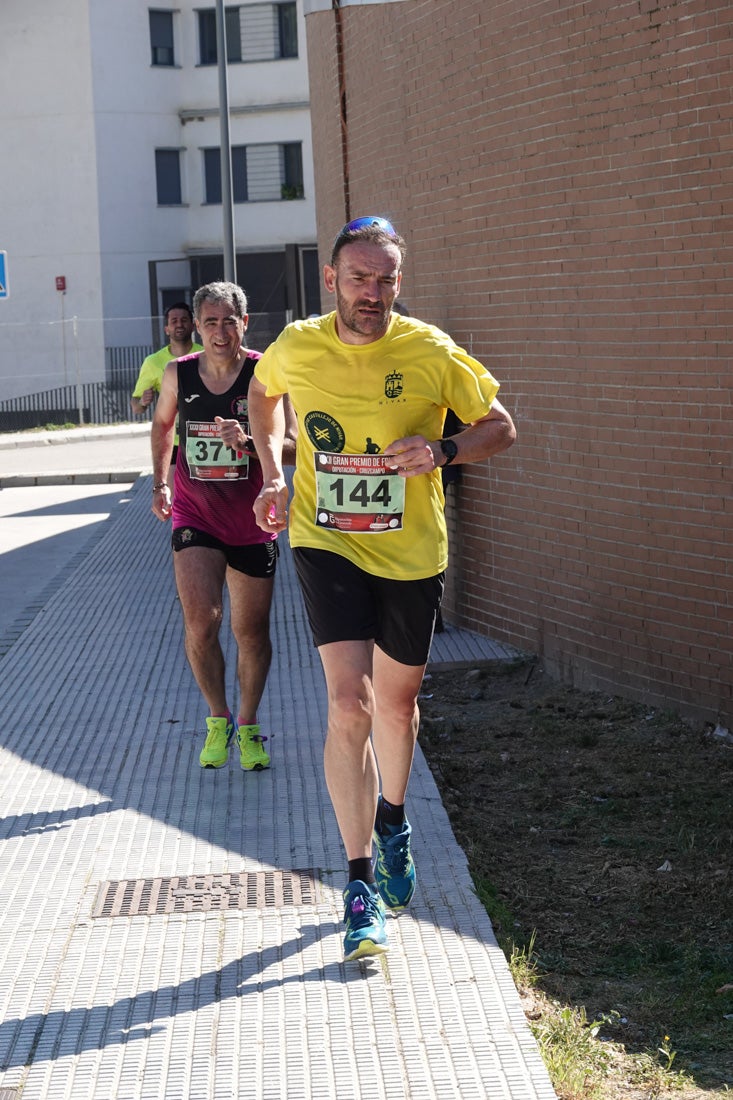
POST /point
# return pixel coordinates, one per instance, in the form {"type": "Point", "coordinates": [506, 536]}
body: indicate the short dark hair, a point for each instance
{"type": "Point", "coordinates": [178, 305]}
{"type": "Point", "coordinates": [374, 231]}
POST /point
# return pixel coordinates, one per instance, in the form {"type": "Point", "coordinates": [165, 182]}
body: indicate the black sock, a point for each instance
{"type": "Point", "coordinates": [389, 814]}
{"type": "Point", "coordinates": [361, 869]}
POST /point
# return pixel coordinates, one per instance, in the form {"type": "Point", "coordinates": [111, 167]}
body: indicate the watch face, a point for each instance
{"type": "Point", "coordinates": [449, 449]}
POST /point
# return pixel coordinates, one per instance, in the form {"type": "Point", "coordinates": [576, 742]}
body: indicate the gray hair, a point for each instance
{"type": "Point", "coordinates": [228, 293]}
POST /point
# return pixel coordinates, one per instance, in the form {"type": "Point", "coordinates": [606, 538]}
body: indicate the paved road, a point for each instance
{"type": "Point", "coordinates": [111, 453]}
{"type": "Point", "coordinates": [173, 934]}
{"type": "Point", "coordinates": [58, 489]}
{"type": "Point", "coordinates": [43, 528]}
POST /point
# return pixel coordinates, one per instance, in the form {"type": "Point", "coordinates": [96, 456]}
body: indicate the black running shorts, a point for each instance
{"type": "Point", "coordinates": [344, 603]}
{"type": "Point", "coordinates": [257, 560]}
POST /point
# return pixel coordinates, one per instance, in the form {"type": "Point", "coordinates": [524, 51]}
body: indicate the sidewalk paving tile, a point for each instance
{"type": "Point", "coordinates": [100, 783]}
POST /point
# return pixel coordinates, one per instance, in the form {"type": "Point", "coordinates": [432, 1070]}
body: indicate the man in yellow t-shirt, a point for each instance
{"type": "Point", "coordinates": [179, 330]}
{"type": "Point", "coordinates": [370, 389]}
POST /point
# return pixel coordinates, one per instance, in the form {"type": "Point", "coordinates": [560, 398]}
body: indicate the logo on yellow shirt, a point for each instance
{"type": "Point", "coordinates": [325, 433]}
{"type": "Point", "coordinates": [393, 384]}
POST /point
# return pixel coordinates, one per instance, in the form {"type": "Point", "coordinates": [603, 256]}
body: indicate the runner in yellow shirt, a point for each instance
{"type": "Point", "coordinates": [370, 389]}
{"type": "Point", "coordinates": [179, 329]}
{"type": "Point", "coordinates": [179, 325]}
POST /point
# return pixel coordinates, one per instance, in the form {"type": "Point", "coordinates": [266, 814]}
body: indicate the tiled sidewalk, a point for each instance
{"type": "Point", "coordinates": [215, 970]}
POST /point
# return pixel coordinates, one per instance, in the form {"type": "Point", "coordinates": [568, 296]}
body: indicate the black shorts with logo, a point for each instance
{"type": "Point", "coordinates": [344, 603]}
{"type": "Point", "coordinates": [257, 560]}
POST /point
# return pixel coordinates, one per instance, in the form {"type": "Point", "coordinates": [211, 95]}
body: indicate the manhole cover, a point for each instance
{"type": "Point", "coordinates": [146, 897]}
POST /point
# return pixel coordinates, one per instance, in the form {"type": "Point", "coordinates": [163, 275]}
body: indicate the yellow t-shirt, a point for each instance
{"type": "Point", "coordinates": [151, 374]}
{"type": "Point", "coordinates": [356, 400]}
{"type": "Point", "coordinates": [152, 368]}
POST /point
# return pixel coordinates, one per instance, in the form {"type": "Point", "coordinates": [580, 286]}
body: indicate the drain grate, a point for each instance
{"type": "Point", "coordinates": [146, 897]}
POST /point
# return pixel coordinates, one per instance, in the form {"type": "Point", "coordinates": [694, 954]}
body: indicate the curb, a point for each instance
{"type": "Point", "coordinates": [77, 435]}
{"type": "Point", "coordinates": [98, 477]}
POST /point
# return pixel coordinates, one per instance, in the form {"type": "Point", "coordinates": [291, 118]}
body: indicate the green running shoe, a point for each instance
{"type": "Point", "coordinates": [252, 755]}
{"type": "Point", "coordinates": [215, 752]}
{"type": "Point", "coordinates": [364, 917]}
{"type": "Point", "coordinates": [393, 867]}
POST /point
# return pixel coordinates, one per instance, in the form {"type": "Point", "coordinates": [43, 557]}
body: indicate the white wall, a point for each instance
{"type": "Point", "coordinates": [48, 220]}
{"type": "Point", "coordinates": [78, 135]}
{"type": "Point", "coordinates": [136, 116]}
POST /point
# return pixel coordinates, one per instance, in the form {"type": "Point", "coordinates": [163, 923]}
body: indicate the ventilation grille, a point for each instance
{"type": "Point", "coordinates": [147, 897]}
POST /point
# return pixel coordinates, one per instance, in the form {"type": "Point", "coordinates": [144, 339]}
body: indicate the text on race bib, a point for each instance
{"type": "Point", "coordinates": [208, 457]}
{"type": "Point", "coordinates": [357, 493]}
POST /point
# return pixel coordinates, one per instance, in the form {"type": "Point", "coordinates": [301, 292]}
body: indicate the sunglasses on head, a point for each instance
{"type": "Point", "coordinates": [362, 223]}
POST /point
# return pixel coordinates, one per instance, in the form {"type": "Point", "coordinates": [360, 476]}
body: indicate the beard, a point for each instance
{"type": "Point", "coordinates": [369, 325]}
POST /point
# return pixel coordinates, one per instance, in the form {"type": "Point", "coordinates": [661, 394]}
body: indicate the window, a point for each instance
{"type": "Point", "coordinates": [292, 170]}
{"type": "Point", "coordinates": [260, 173]}
{"type": "Point", "coordinates": [161, 37]}
{"type": "Point", "coordinates": [212, 174]}
{"type": "Point", "coordinates": [255, 32]}
{"type": "Point", "coordinates": [170, 295]}
{"type": "Point", "coordinates": [168, 176]}
{"type": "Point", "coordinates": [287, 30]}
{"type": "Point", "coordinates": [207, 36]}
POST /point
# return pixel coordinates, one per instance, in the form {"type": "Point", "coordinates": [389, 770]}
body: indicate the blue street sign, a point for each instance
{"type": "Point", "coordinates": [3, 274]}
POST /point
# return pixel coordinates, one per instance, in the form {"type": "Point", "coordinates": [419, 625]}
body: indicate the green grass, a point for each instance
{"type": "Point", "coordinates": [605, 826]}
{"type": "Point", "coordinates": [581, 1064]}
{"type": "Point", "coordinates": [55, 427]}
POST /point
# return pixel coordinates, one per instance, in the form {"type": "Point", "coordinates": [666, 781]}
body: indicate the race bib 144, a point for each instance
{"type": "Point", "coordinates": [357, 493]}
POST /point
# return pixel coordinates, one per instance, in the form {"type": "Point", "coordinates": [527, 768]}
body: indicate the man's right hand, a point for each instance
{"type": "Point", "coordinates": [161, 505]}
{"type": "Point", "coordinates": [271, 507]}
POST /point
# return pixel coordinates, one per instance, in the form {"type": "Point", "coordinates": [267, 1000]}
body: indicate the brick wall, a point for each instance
{"type": "Point", "coordinates": [562, 173]}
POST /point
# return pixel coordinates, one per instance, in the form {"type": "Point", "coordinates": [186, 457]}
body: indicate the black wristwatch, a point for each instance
{"type": "Point", "coordinates": [449, 449]}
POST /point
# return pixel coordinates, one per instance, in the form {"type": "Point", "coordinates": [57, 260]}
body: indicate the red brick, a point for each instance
{"type": "Point", "coordinates": [561, 172]}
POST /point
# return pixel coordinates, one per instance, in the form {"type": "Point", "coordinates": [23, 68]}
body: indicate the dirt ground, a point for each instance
{"type": "Point", "coordinates": [605, 829]}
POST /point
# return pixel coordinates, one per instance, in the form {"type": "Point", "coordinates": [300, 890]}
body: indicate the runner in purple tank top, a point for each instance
{"type": "Point", "coordinates": [216, 540]}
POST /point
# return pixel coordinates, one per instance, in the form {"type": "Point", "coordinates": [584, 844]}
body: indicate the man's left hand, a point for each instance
{"type": "Point", "coordinates": [411, 456]}
{"type": "Point", "coordinates": [232, 435]}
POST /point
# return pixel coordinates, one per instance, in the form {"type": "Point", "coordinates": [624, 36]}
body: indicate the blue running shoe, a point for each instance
{"type": "Point", "coordinates": [364, 917]}
{"type": "Point", "coordinates": [393, 867]}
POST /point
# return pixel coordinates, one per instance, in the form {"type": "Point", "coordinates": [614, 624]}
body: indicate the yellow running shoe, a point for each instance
{"type": "Point", "coordinates": [252, 755]}
{"type": "Point", "coordinates": [215, 752]}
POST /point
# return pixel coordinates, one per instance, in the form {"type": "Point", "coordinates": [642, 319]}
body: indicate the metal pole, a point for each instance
{"type": "Point", "coordinates": [63, 340]}
{"type": "Point", "coordinates": [79, 401]}
{"type": "Point", "coordinates": [230, 259]}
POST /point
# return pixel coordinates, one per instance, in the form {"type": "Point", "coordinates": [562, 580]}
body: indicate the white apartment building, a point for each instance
{"type": "Point", "coordinates": [110, 149]}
